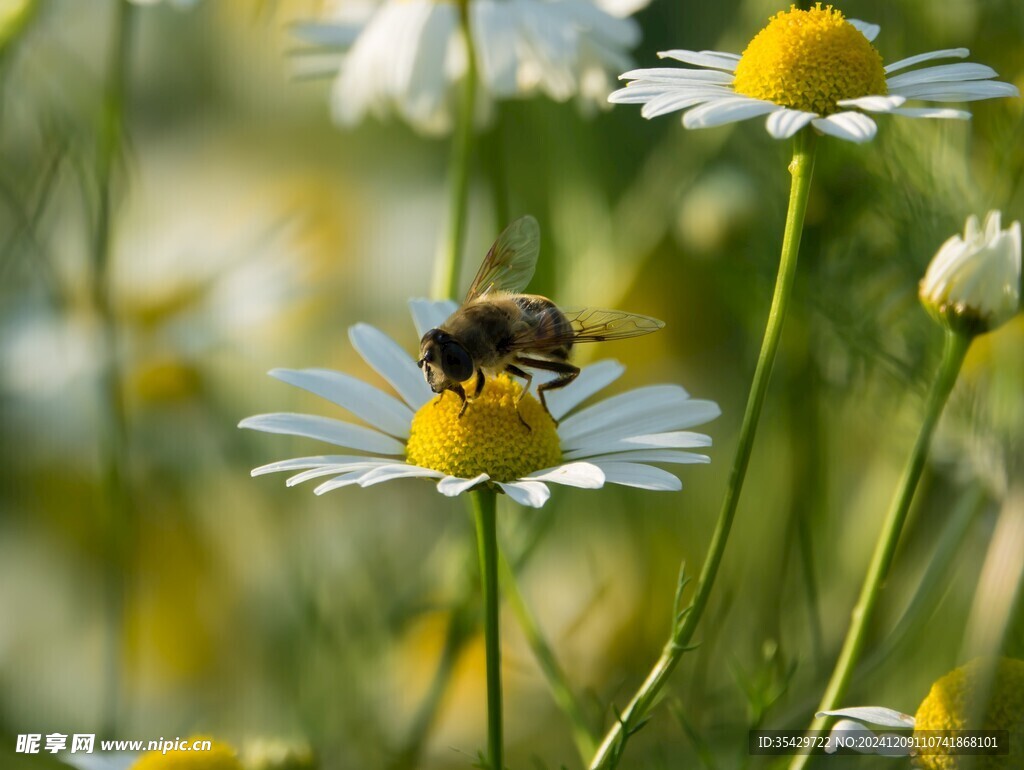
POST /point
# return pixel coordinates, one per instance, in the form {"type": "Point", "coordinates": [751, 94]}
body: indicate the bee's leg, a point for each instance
{"type": "Point", "coordinates": [566, 373]}
{"type": "Point", "coordinates": [479, 383]}
{"type": "Point", "coordinates": [458, 391]}
{"type": "Point", "coordinates": [516, 371]}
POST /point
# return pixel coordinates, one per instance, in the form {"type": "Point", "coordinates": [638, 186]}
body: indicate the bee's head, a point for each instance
{"type": "Point", "coordinates": [443, 360]}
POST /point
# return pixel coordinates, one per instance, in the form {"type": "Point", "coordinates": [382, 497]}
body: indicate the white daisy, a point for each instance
{"type": "Point", "coordinates": [407, 57]}
{"type": "Point", "coordinates": [973, 281]}
{"type": "Point", "coordinates": [984, 694]}
{"type": "Point", "coordinates": [401, 57]}
{"type": "Point", "coordinates": [808, 67]}
{"type": "Point", "coordinates": [613, 441]}
{"type": "Point", "coordinates": [561, 48]}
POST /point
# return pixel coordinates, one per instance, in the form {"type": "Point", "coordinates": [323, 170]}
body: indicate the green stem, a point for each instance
{"type": "Point", "coordinates": [583, 735]}
{"type": "Point", "coordinates": [956, 346]}
{"type": "Point", "coordinates": [449, 266]}
{"type": "Point", "coordinates": [114, 444]}
{"type": "Point", "coordinates": [801, 169]}
{"type": "Point", "coordinates": [484, 507]}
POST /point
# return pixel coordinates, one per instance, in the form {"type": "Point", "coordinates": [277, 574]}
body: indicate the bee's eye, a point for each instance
{"type": "Point", "coordinates": [456, 363]}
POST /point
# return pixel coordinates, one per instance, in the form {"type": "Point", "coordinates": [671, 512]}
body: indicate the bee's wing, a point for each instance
{"type": "Point", "coordinates": [510, 263]}
{"type": "Point", "coordinates": [586, 325]}
{"type": "Point", "coordinates": [595, 325]}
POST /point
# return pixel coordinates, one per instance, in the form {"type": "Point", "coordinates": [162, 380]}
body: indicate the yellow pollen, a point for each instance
{"type": "Point", "coordinates": [488, 438]}
{"type": "Point", "coordinates": [809, 60]}
{"type": "Point", "coordinates": [220, 756]}
{"type": "Point", "coordinates": [953, 704]}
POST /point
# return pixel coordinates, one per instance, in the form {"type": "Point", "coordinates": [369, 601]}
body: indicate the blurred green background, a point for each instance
{"type": "Point", "coordinates": [250, 233]}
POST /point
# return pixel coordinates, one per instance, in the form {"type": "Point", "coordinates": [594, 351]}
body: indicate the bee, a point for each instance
{"type": "Point", "coordinates": [497, 329]}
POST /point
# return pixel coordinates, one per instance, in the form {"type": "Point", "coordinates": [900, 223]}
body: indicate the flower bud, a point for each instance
{"type": "Point", "coordinates": [973, 283]}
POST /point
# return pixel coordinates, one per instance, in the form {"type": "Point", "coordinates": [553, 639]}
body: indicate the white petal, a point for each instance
{"type": "Point", "coordinates": [876, 715]}
{"type": "Point", "coordinates": [993, 225]}
{"type": "Point", "coordinates": [376, 475]}
{"type": "Point", "coordinates": [606, 38]}
{"type": "Point", "coordinates": [392, 363]}
{"type": "Point", "coordinates": [334, 470]}
{"type": "Point", "coordinates": [530, 493]}
{"type": "Point", "coordinates": [910, 61]}
{"type": "Point", "coordinates": [680, 99]}
{"type": "Point", "coordinates": [553, 45]}
{"type": "Point", "coordinates": [338, 482]}
{"type": "Point", "coordinates": [639, 476]}
{"type": "Point", "coordinates": [851, 126]}
{"type": "Point", "coordinates": [343, 434]}
{"type": "Point", "coordinates": [622, 8]}
{"type": "Point", "coordinates": [677, 76]}
{"type": "Point", "coordinates": [858, 735]}
{"type": "Point", "coordinates": [582, 475]}
{"type": "Point", "coordinates": [653, 456]}
{"type": "Point", "coordinates": [932, 112]}
{"type": "Point", "coordinates": [718, 60]}
{"type": "Point", "coordinates": [100, 760]}
{"type": "Point", "coordinates": [969, 91]}
{"type": "Point", "coordinates": [497, 45]}
{"type": "Point", "coordinates": [326, 34]}
{"type": "Point", "coordinates": [874, 103]}
{"type": "Point", "coordinates": [422, 89]}
{"type": "Point", "coordinates": [366, 82]}
{"type": "Point", "coordinates": [453, 485]}
{"type": "Point", "coordinates": [942, 73]}
{"type": "Point", "coordinates": [428, 314]}
{"type": "Point", "coordinates": [384, 473]}
{"type": "Point", "coordinates": [641, 92]}
{"type": "Point", "coordinates": [784, 123]}
{"type": "Point", "coordinates": [868, 30]}
{"type": "Point", "coordinates": [670, 440]}
{"type": "Point", "coordinates": [730, 110]}
{"type": "Point", "coordinates": [361, 399]}
{"type": "Point", "coordinates": [318, 461]}
{"type": "Point", "coordinates": [654, 88]}
{"type": "Point", "coordinates": [590, 380]}
{"type": "Point", "coordinates": [633, 94]}
{"type": "Point", "coordinates": [655, 408]}
{"type": "Point", "coordinates": [855, 734]}
{"type": "Point", "coordinates": [604, 29]}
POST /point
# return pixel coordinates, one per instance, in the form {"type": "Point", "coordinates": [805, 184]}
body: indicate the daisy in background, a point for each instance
{"type": "Point", "coordinates": [806, 68]}
{"type": "Point", "coordinates": [407, 57]}
{"type": "Point", "coordinates": [973, 281]}
{"type": "Point", "coordinates": [985, 694]}
{"type": "Point", "coordinates": [420, 436]}
{"type": "Point", "coordinates": [809, 67]}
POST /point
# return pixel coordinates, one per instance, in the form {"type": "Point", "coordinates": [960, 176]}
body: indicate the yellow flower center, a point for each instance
{"type": "Point", "coordinates": [488, 438]}
{"type": "Point", "coordinates": [809, 60]}
{"type": "Point", "coordinates": [220, 756]}
{"type": "Point", "coordinates": [953, 704]}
